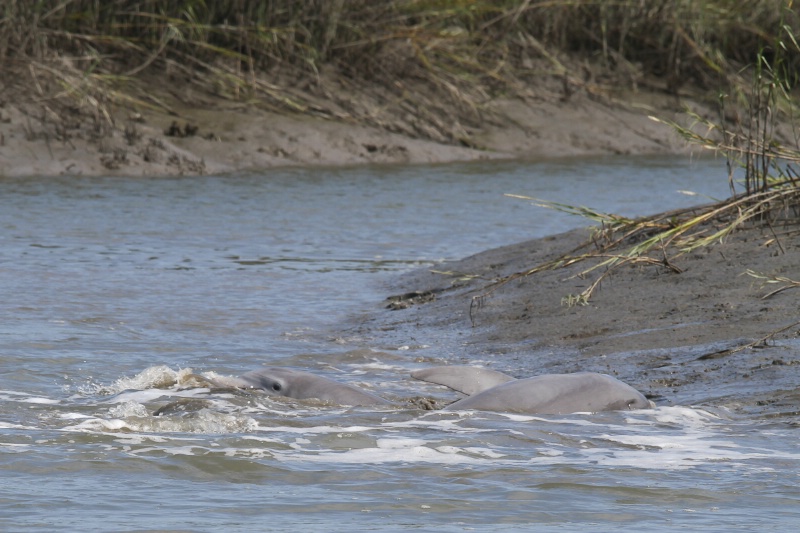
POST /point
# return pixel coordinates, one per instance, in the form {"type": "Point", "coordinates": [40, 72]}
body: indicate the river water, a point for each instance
{"type": "Point", "coordinates": [116, 290]}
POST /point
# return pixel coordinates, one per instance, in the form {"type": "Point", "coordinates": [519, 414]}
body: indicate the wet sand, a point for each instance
{"type": "Point", "coordinates": [665, 332]}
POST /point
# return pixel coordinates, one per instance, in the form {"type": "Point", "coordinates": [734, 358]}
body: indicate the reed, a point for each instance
{"type": "Point", "coordinates": [464, 48]}
{"type": "Point", "coordinates": [763, 175]}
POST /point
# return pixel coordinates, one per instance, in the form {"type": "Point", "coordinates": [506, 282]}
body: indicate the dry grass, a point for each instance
{"type": "Point", "coordinates": [422, 52]}
{"type": "Point", "coordinates": [765, 193]}
{"type": "Point", "coordinates": [660, 240]}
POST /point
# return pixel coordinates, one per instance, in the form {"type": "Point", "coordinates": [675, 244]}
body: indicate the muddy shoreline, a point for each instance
{"type": "Point", "coordinates": [189, 133]}
{"type": "Point", "coordinates": [666, 333]}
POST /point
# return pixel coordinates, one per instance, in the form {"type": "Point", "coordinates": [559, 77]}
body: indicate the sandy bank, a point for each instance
{"type": "Point", "coordinates": [190, 134]}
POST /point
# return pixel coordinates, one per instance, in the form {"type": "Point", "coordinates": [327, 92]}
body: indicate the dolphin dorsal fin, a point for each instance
{"type": "Point", "coordinates": [466, 379]}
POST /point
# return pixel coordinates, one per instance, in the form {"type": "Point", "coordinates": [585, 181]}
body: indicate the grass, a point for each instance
{"type": "Point", "coordinates": [766, 193]}
{"type": "Point", "coordinates": [420, 51]}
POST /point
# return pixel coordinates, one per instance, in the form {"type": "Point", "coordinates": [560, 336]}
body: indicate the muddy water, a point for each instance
{"type": "Point", "coordinates": [116, 290]}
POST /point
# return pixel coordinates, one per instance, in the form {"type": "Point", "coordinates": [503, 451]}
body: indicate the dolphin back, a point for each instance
{"type": "Point", "coordinates": [466, 379]}
{"type": "Point", "coordinates": [557, 394]}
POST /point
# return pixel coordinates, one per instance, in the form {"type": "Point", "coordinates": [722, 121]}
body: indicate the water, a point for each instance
{"type": "Point", "coordinates": [117, 289]}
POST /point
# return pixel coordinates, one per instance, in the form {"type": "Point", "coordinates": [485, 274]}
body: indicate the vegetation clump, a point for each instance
{"type": "Point", "coordinates": [764, 180]}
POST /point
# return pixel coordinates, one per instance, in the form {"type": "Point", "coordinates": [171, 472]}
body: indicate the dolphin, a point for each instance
{"type": "Point", "coordinates": [467, 379]}
{"type": "Point", "coordinates": [301, 385]}
{"type": "Point", "coordinates": [558, 394]}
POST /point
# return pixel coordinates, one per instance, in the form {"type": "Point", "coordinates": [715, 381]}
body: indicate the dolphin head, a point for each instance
{"type": "Point", "coordinates": [301, 385]}
{"type": "Point", "coordinates": [273, 381]}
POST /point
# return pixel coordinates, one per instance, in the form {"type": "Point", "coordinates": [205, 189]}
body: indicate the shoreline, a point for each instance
{"type": "Point", "coordinates": [212, 135]}
{"type": "Point", "coordinates": [667, 334]}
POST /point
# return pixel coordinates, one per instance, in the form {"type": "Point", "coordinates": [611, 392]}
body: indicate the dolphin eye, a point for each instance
{"type": "Point", "coordinates": [276, 387]}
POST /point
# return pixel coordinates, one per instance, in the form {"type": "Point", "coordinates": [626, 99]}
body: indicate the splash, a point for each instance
{"type": "Point", "coordinates": [154, 377]}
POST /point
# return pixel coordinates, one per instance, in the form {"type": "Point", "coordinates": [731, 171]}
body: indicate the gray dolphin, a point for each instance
{"type": "Point", "coordinates": [490, 390]}
{"type": "Point", "coordinates": [302, 386]}
{"type": "Point", "coordinates": [467, 379]}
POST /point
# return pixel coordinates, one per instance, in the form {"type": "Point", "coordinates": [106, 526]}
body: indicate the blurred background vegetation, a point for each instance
{"type": "Point", "coordinates": [280, 54]}
{"type": "Point", "coordinates": [448, 43]}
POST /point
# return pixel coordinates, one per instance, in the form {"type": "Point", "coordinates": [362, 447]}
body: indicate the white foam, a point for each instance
{"type": "Point", "coordinates": [180, 450]}
{"type": "Point", "coordinates": [135, 418]}
{"type": "Point", "coordinates": [681, 455]}
{"type": "Point", "coordinates": [674, 415]}
{"type": "Point", "coordinates": [93, 425]}
{"type": "Point", "coordinates": [250, 453]}
{"type": "Point", "coordinates": [363, 368]}
{"type": "Point", "coordinates": [270, 440]}
{"type": "Point", "coordinates": [314, 430]}
{"type": "Point", "coordinates": [396, 450]}
{"type": "Point", "coordinates": [129, 408]}
{"type": "Point", "coordinates": [149, 395]}
{"type": "Point", "coordinates": [25, 397]}
{"type": "Point", "coordinates": [73, 416]}
{"type": "Point", "coordinates": [34, 399]}
{"type": "Point", "coordinates": [13, 447]}
{"type": "Point", "coordinates": [8, 425]}
{"type": "Point", "coordinates": [154, 377]}
{"type": "Point", "coordinates": [443, 425]}
{"type": "Point", "coordinates": [398, 443]}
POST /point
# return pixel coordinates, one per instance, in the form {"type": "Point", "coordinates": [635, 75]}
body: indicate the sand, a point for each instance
{"type": "Point", "coordinates": [189, 134]}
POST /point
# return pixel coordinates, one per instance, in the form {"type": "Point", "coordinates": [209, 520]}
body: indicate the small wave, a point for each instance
{"type": "Point", "coordinates": [154, 377]}
{"type": "Point", "coordinates": [395, 450]}
{"type": "Point", "coordinates": [131, 419]}
{"type": "Point", "coordinates": [25, 397]}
